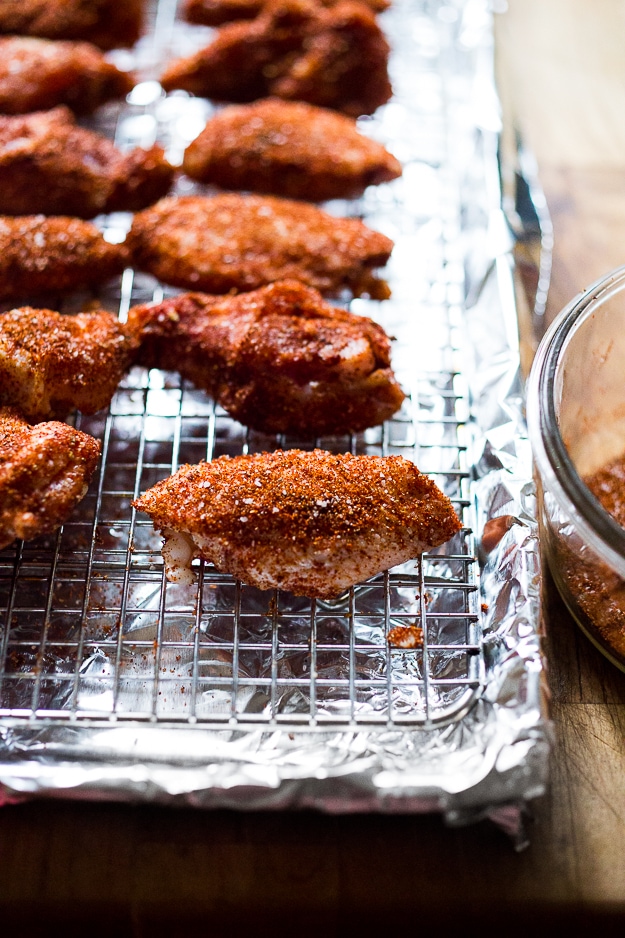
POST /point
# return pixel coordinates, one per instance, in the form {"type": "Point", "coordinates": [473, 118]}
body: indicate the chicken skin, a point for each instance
{"type": "Point", "coordinates": [233, 242]}
{"type": "Point", "coordinates": [278, 359]}
{"type": "Point", "coordinates": [44, 473]}
{"type": "Point", "coordinates": [217, 12]}
{"type": "Point", "coordinates": [313, 523]}
{"type": "Point", "coordinates": [40, 253]}
{"type": "Point", "coordinates": [52, 364]}
{"type": "Point", "coordinates": [50, 165]}
{"type": "Point", "coordinates": [288, 148]}
{"type": "Point", "coordinates": [106, 23]}
{"type": "Point", "coordinates": [36, 74]}
{"type": "Point", "coordinates": [334, 57]}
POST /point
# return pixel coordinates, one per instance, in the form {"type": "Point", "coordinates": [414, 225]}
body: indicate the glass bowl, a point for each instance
{"type": "Point", "coordinates": [576, 422]}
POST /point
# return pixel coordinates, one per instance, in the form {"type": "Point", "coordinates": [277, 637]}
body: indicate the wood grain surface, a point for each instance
{"type": "Point", "coordinates": [139, 870]}
{"type": "Point", "coordinates": [561, 77]}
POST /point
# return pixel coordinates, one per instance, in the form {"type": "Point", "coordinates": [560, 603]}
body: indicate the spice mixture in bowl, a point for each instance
{"type": "Point", "coordinates": [576, 418]}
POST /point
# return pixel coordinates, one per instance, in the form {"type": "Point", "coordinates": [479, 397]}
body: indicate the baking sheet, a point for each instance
{"type": "Point", "coordinates": [116, 684]}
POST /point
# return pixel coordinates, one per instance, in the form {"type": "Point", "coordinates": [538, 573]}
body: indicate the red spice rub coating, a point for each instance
{"type": "Point", "coordinates": [36, 74]}
{"type": "Point", "coordinates": [105, 23]}
{"type": "Point", "coordinates": [406, 636]}
{"type": "Point", "coordinates": [288, 148]}
{"type": "Point", "coordinates": [217, 12]}
{"type": "Point", "coordinates": [608, 486]}
{"type": "Point", "coordinates": [333, 57]}
{"type": "Point", "coordinates": [44, 473]}
{"type": "Point", "coordinates": [50, 165]}
{"type": "Point", "coordinates": [592, 583]}
{"type": "Point", "coordinates": [40, 253]}
{"type": "Point", "coordinates": [51, 364]}
{"type": "Point", "coordinates": [278, 359]}
{"type": "Point", "coordinates": [312, 523]}
{"type": "Point", "coordinates": [235, 242]}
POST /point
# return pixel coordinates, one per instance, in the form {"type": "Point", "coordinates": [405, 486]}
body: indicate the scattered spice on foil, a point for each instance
{"type": "Point", "coordinates": [406, 636]}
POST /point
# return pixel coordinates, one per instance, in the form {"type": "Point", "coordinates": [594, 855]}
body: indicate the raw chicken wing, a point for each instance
{"type": "Point", "coordinates": [51, 364]}
{"type": "Point", "coordinates": [288, 148]}
{"type": "Point", "coordinates": [48, 164]}
{"type": "Point", "coordinates": [334, 57]}
{"type": "Point", "coordinates": [313, 523]}
{"type": "Point", "coordinates": [36, 74]}
{"type": "Point", "coordinates": [40, 253]}
{"type": "Point", "coordinates": [235, 242]}
{"type": "Point", "coordinates": [44, 472]}
{"type": "Point", "coordinates": [278, 359]}
{"type": "Point", "coordinates": [106, 23]}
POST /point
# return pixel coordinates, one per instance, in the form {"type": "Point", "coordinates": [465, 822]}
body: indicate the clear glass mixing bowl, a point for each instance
{"type": "Point", "coordinates": [576, 421]}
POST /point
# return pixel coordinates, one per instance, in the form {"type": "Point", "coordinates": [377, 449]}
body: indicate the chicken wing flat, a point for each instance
{"type": "Point", "coordinates": [50, 165]}
{"type": "Point", "coordinates": [288, 148]}
{"type": "Point", "coordinates": [52, 364]}
{"type": "Point", "coordinates": [278, 359]}
{"type": "Point", "coordinates": [233, 242]}
{"type": "Point", "coordinates": [313, 523]}
{"type": "Point", "coordinates": [44, 472]}
{"type": "Point", "coordinates": [334, 57]}
{"type": "Point", "coordinates": [36, 74]}
{"type": "Point", "coordinates": [105, 23]}
{"type": "Point", "coordinates": [218, 12]}
{"type": "Point", "coordinates": [40, 253]}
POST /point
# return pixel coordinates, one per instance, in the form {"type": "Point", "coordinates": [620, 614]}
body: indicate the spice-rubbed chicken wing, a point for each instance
{"type": "Point", "coordinates": [51, 364]}
{"type": "Point", "coordinates": [106, 23]}
{"type": "Point", "coordinates": [312, 523]}
{"type": "Point", "coordinates": [36, 74]}
{"type": "Point", "coordinates": [288, 148]}
{"type": "Point", "coordinates": [217, 12]}
{"type": "Point", "coordinates": [40, 253]}
{"type": "Point", "coordinates": [50, 165]}
{"type": "Point", "coordinates": [334, 57]}
{"type": "Point", "coordinates": [278, 359]}
{"type": "Point", "coordinates": [44, 473]}
{"type": "Point", "coordinates": [234, 242]}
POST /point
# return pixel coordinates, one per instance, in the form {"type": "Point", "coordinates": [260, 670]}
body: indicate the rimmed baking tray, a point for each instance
{"type": "Point", "coordinates": [116, 683]}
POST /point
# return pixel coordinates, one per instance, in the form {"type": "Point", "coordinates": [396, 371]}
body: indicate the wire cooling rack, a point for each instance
{"type": "Point", "coordinates": [92, 628]}
{"type": "Point", "coordinates": [92, 632]}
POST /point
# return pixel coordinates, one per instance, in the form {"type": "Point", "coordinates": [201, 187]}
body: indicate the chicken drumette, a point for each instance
{"type": "Point", "coordinates": [40, 253]}
{"type": "Point", "coordinates": [278, 359]}
{"type": "Point", "coordinates": [52, 364]}
{"type": "Point", "coordinates": [334, 57]}
{"type": "Point", "coordinates": [288, 148]}
{"type": "Point", "coordinates": [44, 472]}
{"type": "Point", "coordinates": [106, 23]}
{"type": "Point", "coordinates": [236, 242]}
{"type": "Point", "coordinates": [50, 165]}
{"type": "Point", "coordinates": [36, 74]}
{"type": "Point", "coordinates": [313, 523]}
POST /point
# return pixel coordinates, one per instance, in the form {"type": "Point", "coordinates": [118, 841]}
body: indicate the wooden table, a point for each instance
{"type": "Point", "coordinates": [138, 870]}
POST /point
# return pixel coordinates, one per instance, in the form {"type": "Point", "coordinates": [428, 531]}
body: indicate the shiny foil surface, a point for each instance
{"type": "Point", "coordinates": [116, 684]}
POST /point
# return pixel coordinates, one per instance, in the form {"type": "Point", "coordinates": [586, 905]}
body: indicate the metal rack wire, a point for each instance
{"type": "Point", "coordinates": [90, 629]}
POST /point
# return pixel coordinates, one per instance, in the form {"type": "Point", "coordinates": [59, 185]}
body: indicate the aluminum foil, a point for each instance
{"type": "Point", "coordinates": [115, 685]}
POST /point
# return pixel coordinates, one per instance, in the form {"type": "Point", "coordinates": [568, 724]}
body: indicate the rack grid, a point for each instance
{"type": "Point", "coordinates": [92, 632]}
